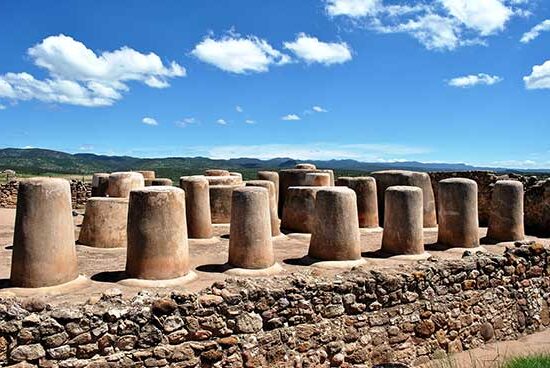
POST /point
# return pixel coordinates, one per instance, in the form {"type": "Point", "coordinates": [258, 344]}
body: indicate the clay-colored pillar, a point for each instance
{"type": "Point", "coordinates": [161, 182]}
{"type": "Point", "coordinates": [104, 224]}
{"type": "Point", "coordinates": [197, 202]}
{"type": "Point", "coordinates": [121, 183]}
{"type": "Point", "coordinates": [506, 218]}
{"type": "Point", "coordinates": [157, 234]}
{"type": "Point", "coordinates": [147, 174]}
{"type": "Point", "coordinates": [403, 219]}
{"type": "Point", "coordinates": [237, 175]}
{"type": "Point", "coordinates": [331, 174]}
{"type": "Point", "coordinates": [43, 242]}
{"type": "Point", "coordinates": [250, 243]}
{"type": "Point", "coordinates": [275, 228]}
{"type": "Point", "coordinates": [100, 183]}
{"type": "Point", "coordinates": [457, 213]}
{"type": "Point", "coordinates": [216, 172]}
{"type": "Point", "coordinates": [367, 204]}
{"type": "Point", "coordinates": [335, 235]}
{"type": "Point", "coordinates": [388, 178]}
{"type": "Point", "coordinates": [317, 179]}
{"type": "Point", "coordinates": [305, 166]}
{"type": "Point", "coordinates": [290, 178]}
{"type": "Point", "coordinates": [224, 180]}
{"type": "Point", "coordinates": [220, 202]}
{"type": "Point", "coordinates": [299, 211]}
{"type": "Point", "coordinates": [273, 177]}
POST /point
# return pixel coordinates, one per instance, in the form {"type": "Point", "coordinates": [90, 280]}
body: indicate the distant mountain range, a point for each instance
{"type": "Point", "coordinates": [40, 161]}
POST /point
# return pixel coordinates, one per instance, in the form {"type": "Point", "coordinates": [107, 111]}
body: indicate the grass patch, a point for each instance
{"type": "Point", "coordinates": [535, 361]}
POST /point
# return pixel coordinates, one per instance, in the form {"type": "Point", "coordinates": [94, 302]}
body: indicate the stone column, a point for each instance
{"type": "Point", "coordinates": [216, 172]}
{"type": "Point", "coordinates": [273, 177]}
{"type": "Point", "coordinates": [275, 227]}
{"type": "Point", "coordinates": [104, 224]}
{"type": "Point", "coordinates": [506, 218]}
{"type": "Point", "coordinates": [121, 183]}
{"type": "Point", "coordinates": [159, 182]}
{"type": "Point", "coordinates": [403, 219]}
{"type": "Point", "coordinates": [317, 179]}
{"type": "Point", "coordinates": [305, 166]}
{"type": "Point", "coordinates": [43, 242]}
{"type": "Point", "coordinates": [100, 183]}
{"type": "Point", "coordinates": [224, 180]}
{"type": "Point", "coordinates": [147, 174]}
{"type": "Point", "coordinates": [388, 178]}
{"type": "Point", "coordinates": [250, 243]}
{"type": "Point", "coordinates": [457, 213]}
{"type": "Point", "coordinates": [157, 234]}
{"type": "Point", "coordinates": [367, 204]}
{"type": "Point", "coordinates": [299, 211]}
{"type": "Point", "coordinates": [220, 202]}
{"type": "Point", "coordinates": [197, 202]}
{"type": "Point", "coordinates": [335, 235]}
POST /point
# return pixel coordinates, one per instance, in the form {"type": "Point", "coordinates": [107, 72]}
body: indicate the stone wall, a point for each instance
{"type": "Point", "coordinates": [537, 197]}
{"type": "Point", "coordinates": [80, 192]}
{"type": "Point", "coordinates": [358, 318]}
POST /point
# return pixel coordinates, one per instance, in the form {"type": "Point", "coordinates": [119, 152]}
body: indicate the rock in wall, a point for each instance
{"type": "Point", "coordinates": [80, 192]}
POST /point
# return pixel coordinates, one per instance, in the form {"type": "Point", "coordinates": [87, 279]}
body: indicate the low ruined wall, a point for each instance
{"type": "Point", "coordinates": [536, 201]}
{"type": "Point", "coordinates": [80, 192]}
{"type": "Point", "coordinates": [409, 315]}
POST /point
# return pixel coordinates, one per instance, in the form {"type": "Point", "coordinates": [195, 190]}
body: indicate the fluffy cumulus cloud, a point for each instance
{"type": "Point", "coordinates": [319, 109]}
{"type": "Point", "coordinates": [539, 77]}
{"type": "Point", "coordinates": [291, 117]}
{"type": "Point", "coordinates": [436, 24]}
{"type": "Point", "coordinates": [186, 122]}
{"type": "Point", "coordinates": [149, 121]}
{"type": "Point", "coordinates": [236, 54]}
{"type": "Point", "coordinates": [536, 31]}
{"type": "Point", "coordinates": [474, 80]}
{"type": "Point", "coordinates": [79, 76]}
{"type": "Point", "coordinates": [221, 122]}
{"type": "Point", "coordinates": [311, 50]}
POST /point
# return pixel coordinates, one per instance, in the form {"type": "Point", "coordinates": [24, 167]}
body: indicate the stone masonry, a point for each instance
{"type": "Point", "coordinates": [357, 318]}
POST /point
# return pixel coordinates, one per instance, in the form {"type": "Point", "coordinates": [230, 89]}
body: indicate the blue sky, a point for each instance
{"type": "Point", "coordinates": [373, 80]}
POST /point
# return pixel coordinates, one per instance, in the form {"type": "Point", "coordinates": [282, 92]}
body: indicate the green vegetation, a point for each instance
{"type": "Point", "coordinates": [534, 361]}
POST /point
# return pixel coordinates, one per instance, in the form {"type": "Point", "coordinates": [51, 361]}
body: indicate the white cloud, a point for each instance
{"type": "Point", "coordinates": [221, 122]}
{"type": "Point", "coordinates": [486, 16]}
{"type": "Point", "coordinates": [185, 122]}
{"type": "Point", "coordinates": [149, 121]}
{"type": "Point", "coordinates": [536, 31]}
{"type": "Point", "coordinates": [240, 55]}
{"type": "Point", "coordinates": [318, 109]}
{"type": "Point", "coordinates": [291, 117]}
{"type": "Point", "coordinates": [539, 78]}
{"type": "Point", "coordinates": [250, 121]}
{"type": "Point", "coordinates": [474, 80]}
{"type": "Point", "coordinates": [311, 50]}
{"type": "Point", "coordinates": [436, 24]}
{"type": "Point", "coordinates": [79, 76]}
{"type": "Point", "coordinates": [2, 107]}
{"type": "Point", "coordinates": [352, 8]}
{"type": "Point", "coordinates": [238, 108]}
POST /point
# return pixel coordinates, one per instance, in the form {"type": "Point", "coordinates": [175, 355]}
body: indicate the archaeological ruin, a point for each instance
{"type": "Point", "coordinates": [296, 267]}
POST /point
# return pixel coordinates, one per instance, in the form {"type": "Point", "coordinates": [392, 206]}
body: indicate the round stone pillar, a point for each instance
{"type": "Point", "coordinates": [367, 204]}
{"type": "Point", "coordinates": [457, 213]}
{"type": "Point", "coordinates": [104, 224]}
{"type": "Point", "coordinates": [157, 234]}
{"type": "Point", "coordinates": [335, 235]}
{"type": "Point", "coordinates": [147, 174]}
{"type": "Point", "coordinates": [275, 227]}
{"type": "Point", "coordinates": [506, 218]}
{"type": "Point", "coordinates": [273, 177]}
{"type": "Point", "coordinates": [224, 180]}
{"type": "Point", "coordinates": [197, 204]}
{"type": "Point", "coordinates": [317, 179]}
{"type": "Point", "coordinates": [220, 202]}
{"type": "Point", "coordinates": [43, 242]}
{"type": "Point", "coordinates": [299, 210]}
{"type": "Point", "coordinates": [158, 182]}
{"type": "Point", "coordinates": [250, 243]}
{"type": "Point", "coordinates": [403, 221]}
{"type": "Point", "coordinates": [305, 166]}
{"type": "Point", "coordinates": [388, 178]}
{"type": "Point", "coordinates": [121, 183]}
{"type": "Point", "coordinates": [100, 183]}
{"type": "Point", "coordinates": [216, 172]}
